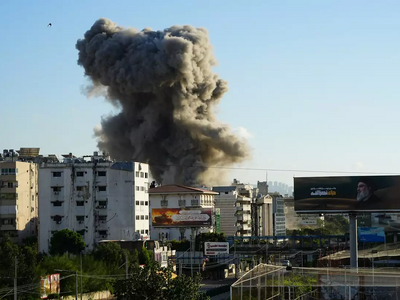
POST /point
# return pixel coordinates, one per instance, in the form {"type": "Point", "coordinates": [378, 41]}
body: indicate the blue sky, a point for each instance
{"type": "Point", "coordinates": [315, 83]}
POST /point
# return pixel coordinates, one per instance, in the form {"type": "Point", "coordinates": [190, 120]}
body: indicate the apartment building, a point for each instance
{"type": "Point", "coordinates": [94, 196]}
{"type": "Point", "coordinates": [234, 202]}
{"type": "Point", "coordinates": [177, 212]}
{"type": "Point", "coordinates": [18, 195]}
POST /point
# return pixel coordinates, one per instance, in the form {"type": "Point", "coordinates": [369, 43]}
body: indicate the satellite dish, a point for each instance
{"type": "Point", "coordinates": [136, 236]}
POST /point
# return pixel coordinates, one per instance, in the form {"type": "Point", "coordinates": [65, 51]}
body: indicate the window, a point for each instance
{"type": "Point", "coordinates": [10, 184]}
{"type": "Point", "coordinates": [57, 203]}
{"type": "Point", "coordinates": [137, 174]}
{"type": "Point", "coordinates": [33, 198]}
{"type": "Point", "coordinates": [146, 203]}
{"type": "Point", "coordinates": [56, 174]}
{"type": "Point", "coordinates": [80, 218]}
{"type": "Point", "coordinates": [142, 217]}
{"type": "Point", "coordinates": [137, 187]}
{"type": "Point", "coordinates": [137, 217]}
{"type": "Point", "coordinates": [103, 203]}
{"type": "Point", "coordinates": [141, 202]}
{"type": "Point", "coordinates": [79, 188]}
{"type": "Point", "coordinates": [103, 233]}
{"type": "Point", "coordinates": [9, 196]}
{"type": "Point", "coordinates": [137, 202]}
{"type": "Point", "coordinates": [101, 173]}
{"type": "Point", "coordinates": [102, 188]}
{"type": "Point", "coordinates": [56, 188]}
{"type": "Point", "coordinates": [9, 171]}
{"type": "Point", "coordinates": [8, 221]}
{"type": "Point", "coordinates": [81, 232]}
{"type": "Point", "coordinates": [102, 218]}
{"type": "Point", "coordinates": [142, 174]}
{"type": "Point", "coordinates": [79, 174]}
{"type": "Point", "coordinates": [146, 175]}
{"type": "Point", "coordinates": [142, 231]}
{"type": "Point", "coordinates": [142, 188]}
{"type": "Point", "coordinates": [80, 203]}
{"type": "Point", "coordinates": [147, 231]}
{"type": "Point", "coordinates": [146, 217]}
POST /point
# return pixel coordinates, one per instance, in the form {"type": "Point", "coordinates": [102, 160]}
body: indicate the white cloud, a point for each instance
{"type": "Point", "coordinates": [243, 133]}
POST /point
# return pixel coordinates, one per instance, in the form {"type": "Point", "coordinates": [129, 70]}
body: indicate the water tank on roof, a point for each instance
{"type": "Point", "coordinates": [95, 153]}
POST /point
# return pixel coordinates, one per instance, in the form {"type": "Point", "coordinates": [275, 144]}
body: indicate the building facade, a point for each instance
{"type": "Point", "coordinates": [94, 196]}
{"type": "Point", "coordinates": [183, 200]}
{"type": "Point", "coordinates": [18, 197]}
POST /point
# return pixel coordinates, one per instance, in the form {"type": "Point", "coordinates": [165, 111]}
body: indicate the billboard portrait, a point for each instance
{"type": "Point", "coordinates": [347, 193]}
{"type": "Point", "coordinates": [371, 234]}
{"type": "Point", "coordinates": [177, 217]}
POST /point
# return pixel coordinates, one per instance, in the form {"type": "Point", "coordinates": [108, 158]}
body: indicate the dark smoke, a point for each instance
{"type": "Point", "coordinates": [163, 83]}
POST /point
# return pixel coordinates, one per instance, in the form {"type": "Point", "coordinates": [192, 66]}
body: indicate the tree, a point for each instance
{"type": "Point", "coordinates": [111, 253]}
{"type": "Point", "coordinates": [144, 257]}
{"type": "Point", "coordinates": [66, 241]}
{"type": "Point", "coordinates": [155, 282]}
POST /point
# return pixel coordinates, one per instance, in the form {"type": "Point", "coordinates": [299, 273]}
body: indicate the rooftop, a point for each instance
{"type": "Point", "coordinates": [179, 189]}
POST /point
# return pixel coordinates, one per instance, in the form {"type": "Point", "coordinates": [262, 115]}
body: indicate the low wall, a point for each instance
{"type": "Point", "coordinates": [92, 296]}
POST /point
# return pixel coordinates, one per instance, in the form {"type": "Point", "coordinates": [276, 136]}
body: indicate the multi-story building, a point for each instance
{"type": "Point", "coordinates": [264, 216]}
{"type": "Point", "coordinates": [234, 202]}
{"type": "Point", "coordinates": [94, 196]}
{"type": "Point", "coordinates": [188, 203]}
{"type": "Point", "coordinates": [18, 195]}
{"type": "Point", "coordinates": [279, 224]}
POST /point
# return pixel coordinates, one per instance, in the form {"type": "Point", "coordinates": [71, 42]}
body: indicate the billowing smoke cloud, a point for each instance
{"type": "Point", "coordinates": [163, 83]}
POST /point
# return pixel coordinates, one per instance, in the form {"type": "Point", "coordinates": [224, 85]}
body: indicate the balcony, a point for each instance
{"type": "Point", "coordinates": [56, 196]}
{"type": "Point", "coordinates": [195, 202]}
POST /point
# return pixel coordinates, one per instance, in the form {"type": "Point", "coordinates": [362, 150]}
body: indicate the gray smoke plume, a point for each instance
{"type": "Point", "coordinates": [164, 86]}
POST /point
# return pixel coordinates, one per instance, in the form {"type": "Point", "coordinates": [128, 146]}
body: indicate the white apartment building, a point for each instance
{"type": "Point", "coordinates": [183, 200]}
{"type": "Point", "coordinates": [94, 196]}
{"type": "Point", "coordinates": [18, 196]}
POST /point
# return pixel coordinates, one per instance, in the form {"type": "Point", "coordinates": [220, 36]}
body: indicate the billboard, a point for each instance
{"type": "Point", "coordinates": [49, 284]}
{"type": "Point", "coordinates": [215, 248]}
{"type": "Point", "coordinates": [371, 234]}
{"type": "Point", "coordinates": [347, 193]}
{"type": "Point", "coordinates": [178, 217]}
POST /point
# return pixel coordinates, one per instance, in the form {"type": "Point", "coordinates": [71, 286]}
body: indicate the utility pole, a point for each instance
{"type": "Point", "coordinates": [76, 285]}
{"type": "Point", "coordinates": [15, 278]}
{"type": "Point", "coordinates": [81, 278]}
{"type": "Point", "coordinates": [126, 265]}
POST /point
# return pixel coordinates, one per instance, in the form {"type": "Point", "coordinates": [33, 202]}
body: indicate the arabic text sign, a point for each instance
{"type": "Point", "coordinates": [177, 217]}
{"type": "Point", "coordinates": [215, 248]}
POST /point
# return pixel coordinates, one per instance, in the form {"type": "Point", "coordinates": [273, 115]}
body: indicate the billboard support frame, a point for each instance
{"type": "Point", "coordinates": [353, 240]}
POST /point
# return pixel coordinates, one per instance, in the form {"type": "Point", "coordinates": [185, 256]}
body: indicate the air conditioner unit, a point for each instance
{"type": "Point", "coordinates": [80, 222]}
{"type": "Point", "coordinates": [58, 222]}
{"type": "Point", "coordinates": [56, 193]}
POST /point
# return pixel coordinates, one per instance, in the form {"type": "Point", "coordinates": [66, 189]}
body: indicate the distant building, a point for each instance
{"type": "Point", "coordinates": [225, 201]}
{"type": "Point", "coordinates": [94, 196]}
{"type": "Point", "coordinates": [279, 221]}
{"type": "Point", "coordinates": [185, 202]}
{"type": "Point", "coordinates": [18, 195]}
{"type": "Point", "coordinates": [264, 216]}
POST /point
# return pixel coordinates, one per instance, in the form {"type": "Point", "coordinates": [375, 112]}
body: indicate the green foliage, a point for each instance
{"type": "Point", "coordinates": [208, 237]}
{"type": "Point", "coordinates": [145, 257]}
{"type": "Point", "coordinates": [331, 225]}
{"type": "Point", "coordinates": [155, 282]}
{"type": "Point", "coordinates": [66, 241]}
{"type": "Point", "coordinates": [180, 245]}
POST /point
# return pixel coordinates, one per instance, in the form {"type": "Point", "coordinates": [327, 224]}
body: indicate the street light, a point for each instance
{"type": "Point", "coordinates": [76, 279]}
